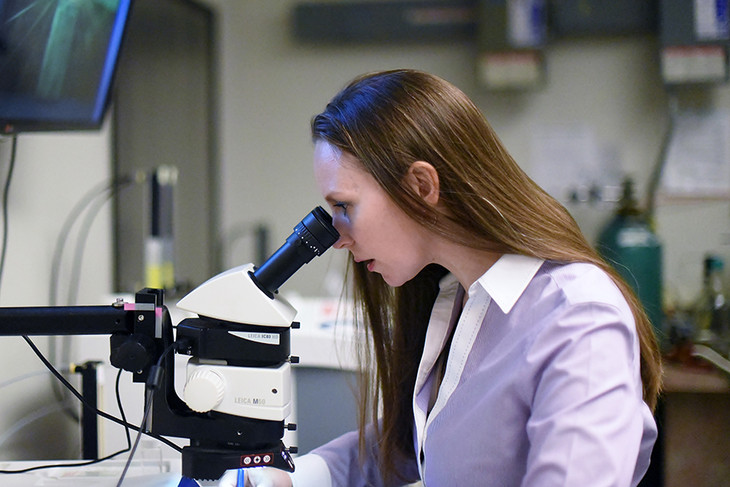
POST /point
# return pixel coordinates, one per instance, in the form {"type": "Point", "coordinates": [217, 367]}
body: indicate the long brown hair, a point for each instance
{"type": "Point", "coordinates": [390, 119]}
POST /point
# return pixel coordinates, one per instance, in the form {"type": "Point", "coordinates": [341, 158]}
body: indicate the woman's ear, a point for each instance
{"type": "Point", "coordinates": [424, 180]}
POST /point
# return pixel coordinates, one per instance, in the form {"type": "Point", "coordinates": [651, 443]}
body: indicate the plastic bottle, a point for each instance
{"type": "Point", "coordinates": [712, 308]}
{"type": "Point", "coordinates": [629, 244]}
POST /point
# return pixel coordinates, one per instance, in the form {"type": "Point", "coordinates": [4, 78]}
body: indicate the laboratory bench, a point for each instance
{"type": "Point", "coordinates": [694, 418]}
{"type": "Point", "coordinates": [693, 450]}
{"type": "Point", "coordinates": [142, 473]}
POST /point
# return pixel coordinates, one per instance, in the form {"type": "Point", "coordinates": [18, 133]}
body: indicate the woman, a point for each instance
{"type": "Point", "coordinates": [506, 352]}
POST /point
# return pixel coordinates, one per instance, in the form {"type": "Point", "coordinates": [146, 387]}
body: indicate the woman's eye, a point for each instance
{"type": "Point", "coordinates": [343, 206]}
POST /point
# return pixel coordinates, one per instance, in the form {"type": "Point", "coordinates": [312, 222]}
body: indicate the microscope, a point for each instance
{"type": "Point", "coordinates": [237, 394]}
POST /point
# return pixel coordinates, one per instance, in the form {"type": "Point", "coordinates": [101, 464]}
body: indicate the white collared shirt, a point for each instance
{"type": "Point", "coordinates": [541, 388]}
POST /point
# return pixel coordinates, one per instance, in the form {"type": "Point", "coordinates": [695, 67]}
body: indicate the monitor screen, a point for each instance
{"type": "Point", "coordinates": [57, 62]}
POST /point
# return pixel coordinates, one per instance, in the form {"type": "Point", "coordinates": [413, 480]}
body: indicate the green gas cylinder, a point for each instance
{"type": "Point", "coordinates": [629, 244]}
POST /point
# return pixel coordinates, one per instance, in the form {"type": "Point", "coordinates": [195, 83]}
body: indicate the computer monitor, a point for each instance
{"type": "Point", "coordinates": [57, 62]}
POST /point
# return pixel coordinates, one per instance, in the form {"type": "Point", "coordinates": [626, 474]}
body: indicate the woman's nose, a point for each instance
{"type": "Point", "coordinates": [344, 239]}
{"type": "Point", "coordinates": [342, 242]}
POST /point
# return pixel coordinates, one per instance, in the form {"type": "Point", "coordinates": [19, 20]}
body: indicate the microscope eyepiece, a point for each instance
{"type": "Point", "coordinates": [311, 237]}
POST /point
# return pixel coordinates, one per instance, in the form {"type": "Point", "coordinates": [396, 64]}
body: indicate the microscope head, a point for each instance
{"type": "Point", "coordinates": [248, 294]}
{"type": "Point", "coordinates": [239, 344]}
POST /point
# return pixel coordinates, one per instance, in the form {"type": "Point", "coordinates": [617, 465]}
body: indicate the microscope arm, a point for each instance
{"type": "Point", "coordinates": [136, 329]}
{"type": "Point", "coordinates": [65, 320]}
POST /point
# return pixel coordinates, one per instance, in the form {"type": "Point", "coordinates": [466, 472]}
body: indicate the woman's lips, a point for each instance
{"type": "Point", "coordinates": [369, 263]}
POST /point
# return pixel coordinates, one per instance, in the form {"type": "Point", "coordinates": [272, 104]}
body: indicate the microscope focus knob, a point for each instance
{"type": "Point", "coordinates": [204, 390]}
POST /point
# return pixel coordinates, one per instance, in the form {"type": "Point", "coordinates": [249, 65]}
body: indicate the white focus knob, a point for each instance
{"type": "Point", "coordinates": [204, 391]}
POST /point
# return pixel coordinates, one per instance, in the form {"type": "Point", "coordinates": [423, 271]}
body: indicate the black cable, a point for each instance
{"type": "Point", "coordinates": [68, 224]}
{"type": "Point", "coordinates": [54, 282]}
{"type": "Point", "coordinates": [121, 408]}
{"type": "Point", "coordinates": [6, 193]}
{"type": "Point", "coordinates": [90, 462]}
{"type": "Point", "coordinates": [59, 465]}
{"type": "Point", "coordinates": [153, 382]}
{"type": "Point", "coordinates": [78, 395]}
{"type": "Point", "coordinates": [107, 189]}
{"type": "Point", "coordinates": [145, 417]}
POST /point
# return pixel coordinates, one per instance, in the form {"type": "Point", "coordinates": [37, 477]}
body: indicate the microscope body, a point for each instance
{"type": "Point", "coordinates": [240, 368]}
{"type": "Point", "coordinates": [238, 389]}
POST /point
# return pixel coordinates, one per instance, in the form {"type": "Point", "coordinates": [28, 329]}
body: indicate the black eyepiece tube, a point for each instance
{"type": "Point", "coordinates": [312, 236]}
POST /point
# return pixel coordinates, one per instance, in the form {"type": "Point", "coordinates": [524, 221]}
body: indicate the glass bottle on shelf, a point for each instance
{"type": "Point", "coordinates": [712, 309]}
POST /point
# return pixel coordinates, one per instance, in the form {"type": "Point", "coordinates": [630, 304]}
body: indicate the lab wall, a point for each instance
{"type": "Point", "coordinates": [52, 173]}
{"type": "Point", "coordinates": [270, 85]}
{"type": "Point", "coordinates": [610, 87]}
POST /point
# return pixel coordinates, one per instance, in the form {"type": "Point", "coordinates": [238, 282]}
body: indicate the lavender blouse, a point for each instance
{"type": "Point", "coordinates": [541, 388]}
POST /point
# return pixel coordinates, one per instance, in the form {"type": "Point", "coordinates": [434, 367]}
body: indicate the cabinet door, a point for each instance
{"type": "Point", "coordinates": [164, 109]}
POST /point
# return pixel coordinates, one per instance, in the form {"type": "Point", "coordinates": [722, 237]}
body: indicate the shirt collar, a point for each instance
{"type": "Point", "coordinates": [449, 284]}
{"type": "Point", "coordinates": [507, 279]}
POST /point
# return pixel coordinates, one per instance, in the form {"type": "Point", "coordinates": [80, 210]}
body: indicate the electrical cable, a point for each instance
{"type": "Point", "coordinates": [118, 395]}
{"type": "Point", "coordinates": [33, 416]}
{"type": "Point", "coordinates": [6, 192]}
{"type": "Point", "coordinates": [65, 465]}
{"type": "Point", "coordinates": [78, 395]}
{"type": "Point", "coordinates": [64, 233]}
{"type": "Point", "coordinates": [54, 282]}
{"type": "Point", "coordinates": [3, 252]}
{"type": "Point", "coordinates": [143, 425]}
{"type": "Point", "coordinates": [153, 381]}
{"type": "Point", "coordinates": [90, 462]}
{"type": "Point", "coordinates": [56, 388]}
{"type": "Point", "coordinates": [81, 239]}
{"type": "Point", "coordinates": [90, 197]}
{"type": "Point", "coordinates": [28, 419]}
{"type": "Point", "coordinates": [98, 201]}
{"type": "Point", "coordinates": [23, 377]}
{"type": "Point", "coordinates": [85, 202]}
{"type": "Point", "coordinates": [656, 174]}
{"type": "Point", "coordinates": [105, 189]}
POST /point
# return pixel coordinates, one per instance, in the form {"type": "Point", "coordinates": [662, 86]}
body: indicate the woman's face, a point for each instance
{"type": "Point", "coordinates": [371, 226]}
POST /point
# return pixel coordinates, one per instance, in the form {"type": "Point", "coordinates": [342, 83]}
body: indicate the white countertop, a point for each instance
{"type": "Point", "coordinates": [103, 474]}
